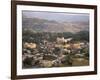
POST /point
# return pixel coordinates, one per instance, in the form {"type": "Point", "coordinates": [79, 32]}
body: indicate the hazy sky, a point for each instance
{"type": "Point", "coordinates": [57, 16]}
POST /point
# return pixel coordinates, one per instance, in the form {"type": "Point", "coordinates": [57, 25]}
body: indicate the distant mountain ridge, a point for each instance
{"type": "Point", "coordinates": [43, 25]}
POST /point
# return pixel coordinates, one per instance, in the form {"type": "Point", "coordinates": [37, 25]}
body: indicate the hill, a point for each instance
{"type": "Point", "coordinates": [43, 25]}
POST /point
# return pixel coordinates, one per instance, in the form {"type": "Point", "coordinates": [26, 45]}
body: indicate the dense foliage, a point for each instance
{"type": "Point", "coordinates": [31, 36]}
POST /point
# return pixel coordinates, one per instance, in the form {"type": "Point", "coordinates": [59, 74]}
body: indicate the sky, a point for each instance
{"type": "Point", "coordinates": [57, 16]}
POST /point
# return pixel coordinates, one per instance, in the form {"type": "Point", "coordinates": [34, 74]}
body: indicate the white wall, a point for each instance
{"type": "Point", "coordinates": [5, 31]}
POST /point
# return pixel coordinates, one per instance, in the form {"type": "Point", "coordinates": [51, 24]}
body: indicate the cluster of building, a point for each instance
{"type": "Point", "coordinates": [60, 53]}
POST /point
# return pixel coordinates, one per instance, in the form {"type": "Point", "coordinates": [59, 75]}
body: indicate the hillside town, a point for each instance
{"type": "Point", "coordinates": [63, 52]}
